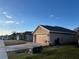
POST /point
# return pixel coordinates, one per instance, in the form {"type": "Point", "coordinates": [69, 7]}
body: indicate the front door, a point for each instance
{"type": "Point", "coordinates": [57, 41]}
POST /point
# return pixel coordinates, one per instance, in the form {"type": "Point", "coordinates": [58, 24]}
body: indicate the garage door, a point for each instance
{"type": "Point", "coordinates": [42, 39]}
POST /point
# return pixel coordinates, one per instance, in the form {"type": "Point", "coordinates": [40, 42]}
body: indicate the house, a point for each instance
{"type": "Point", "coordinates": [25, 36]}
{"type": "Point", "coordinates": [28, 36]}
{"type": "Point", "coordinates": [18, 36]}
{"type": "Point", "coordinates": [4, 37]}
{"type": "Point", "coordinates": [50, 35]}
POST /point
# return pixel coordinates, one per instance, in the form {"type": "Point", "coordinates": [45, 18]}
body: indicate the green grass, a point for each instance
{"type": "Point", "coordinates": [65, 52]}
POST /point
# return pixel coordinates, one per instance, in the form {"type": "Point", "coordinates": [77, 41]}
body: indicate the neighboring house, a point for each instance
{"type": "Point", "coordinates": [4, 37]}
{"type": "Point", "coordinates": [18, 36]}
{"type": "Point", "coordinates": [25, 36]}
{"type": "Point", "coordinates": [28, 36]}
{"type": "Point", "coordinates": [50, 35]}
{"type": "Point", "coordinates": [1, 37]}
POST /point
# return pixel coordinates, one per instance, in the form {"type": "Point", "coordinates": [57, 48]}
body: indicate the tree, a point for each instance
{"type": "Point", "coordinates": [13, 36]}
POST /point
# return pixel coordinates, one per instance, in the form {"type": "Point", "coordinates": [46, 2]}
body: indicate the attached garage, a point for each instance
{"type": "Point", "coordinates": [42, 39]}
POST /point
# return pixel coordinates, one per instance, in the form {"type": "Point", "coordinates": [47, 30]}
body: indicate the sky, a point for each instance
{"type": "Point", "coordinates": [26, 15]}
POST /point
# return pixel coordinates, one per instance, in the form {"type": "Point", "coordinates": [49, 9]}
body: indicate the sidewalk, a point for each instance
{"type": "Point", "coordinates": [3, 52]}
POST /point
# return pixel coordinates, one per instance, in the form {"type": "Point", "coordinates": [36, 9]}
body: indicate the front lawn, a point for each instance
{"type": "Point", "coordinates": [64, 52]}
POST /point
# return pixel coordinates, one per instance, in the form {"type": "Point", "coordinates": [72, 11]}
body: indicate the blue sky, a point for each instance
{"type": "Point", "coordinates": [26, 15]}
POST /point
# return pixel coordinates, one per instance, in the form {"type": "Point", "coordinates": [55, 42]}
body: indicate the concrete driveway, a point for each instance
{"type": "Point", "coordinates": [4, 49]}
{"type": "Point", "coordinates": [21, 46]}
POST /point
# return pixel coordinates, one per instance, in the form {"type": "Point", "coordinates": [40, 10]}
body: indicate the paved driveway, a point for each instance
{"type": "Point", "coordinates": [21, 46]}
{"type": "Point", "coordinates": [4, 49]}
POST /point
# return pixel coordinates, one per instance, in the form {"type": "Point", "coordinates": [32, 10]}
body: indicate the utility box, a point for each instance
{"type": "Point", "coordinates": [35, 50]}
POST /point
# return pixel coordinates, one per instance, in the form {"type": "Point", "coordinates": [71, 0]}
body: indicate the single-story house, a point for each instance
{"type": "Point", "coordinates": [50, 35]}
{"type": "Point", "coordinates": [4, 37]}
{"type": "Point", "coordinates": [28, 36]}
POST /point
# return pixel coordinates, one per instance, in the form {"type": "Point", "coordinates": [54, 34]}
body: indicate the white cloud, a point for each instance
{"type": "Point", "coordinates": [19, 22]}
{"type": "Point", "coordinates": [6, 15]}
{"type": "Point", "coordinates": [12, 22]}
{"type": "Point", "coordinates": [9, 19]}
{"type": "Point", "coordinates": [4, 12]}
{"type": "Point", "coordinates": [51, 15]}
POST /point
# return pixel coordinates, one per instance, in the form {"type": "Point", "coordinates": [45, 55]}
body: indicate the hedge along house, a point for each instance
{"type": "Point", "coordinates": [50, 35]}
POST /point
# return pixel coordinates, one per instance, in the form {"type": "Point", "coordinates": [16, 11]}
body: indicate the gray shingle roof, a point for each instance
{"type": "Point", "coordinates": [58, 28]}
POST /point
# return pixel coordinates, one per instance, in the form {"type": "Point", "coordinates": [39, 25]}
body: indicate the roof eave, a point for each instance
{"type": "Point", "coordinates": [63, 32]}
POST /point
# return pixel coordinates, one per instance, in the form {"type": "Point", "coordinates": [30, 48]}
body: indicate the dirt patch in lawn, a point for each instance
{"type": "Point", "coordinates": [14, 42]}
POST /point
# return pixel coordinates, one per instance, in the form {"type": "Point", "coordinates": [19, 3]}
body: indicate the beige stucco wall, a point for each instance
{"type": "Point", "coordinates": [64, 38]}
{"type": "Point", "coordinates": [41, 30]}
